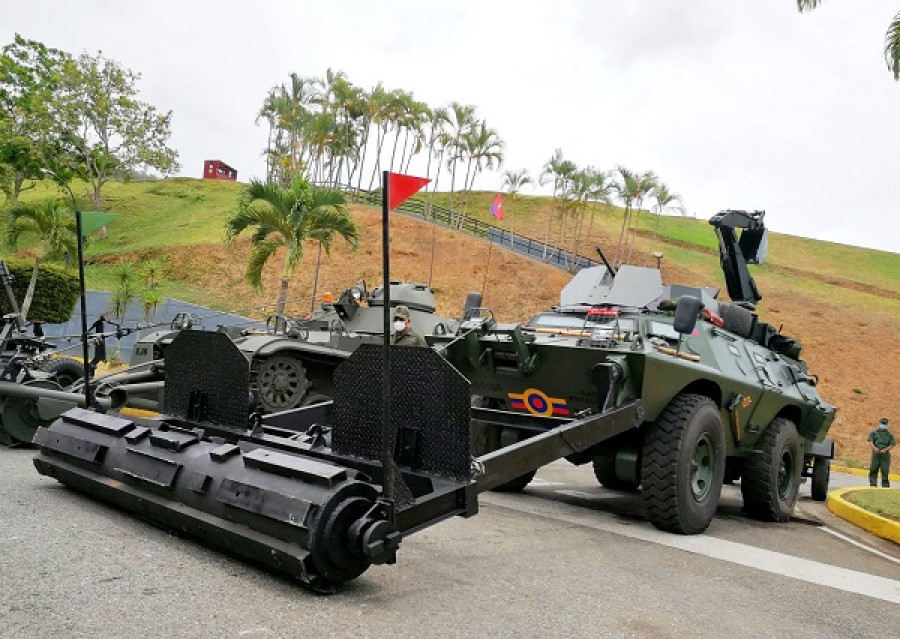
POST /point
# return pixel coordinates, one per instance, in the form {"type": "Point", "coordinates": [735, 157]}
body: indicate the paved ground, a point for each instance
{"type": "Point", "coordinates": [567, 558]}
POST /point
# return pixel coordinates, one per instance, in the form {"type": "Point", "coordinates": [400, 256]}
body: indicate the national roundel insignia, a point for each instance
{"type": "Point", "coordinates": [538, 403]}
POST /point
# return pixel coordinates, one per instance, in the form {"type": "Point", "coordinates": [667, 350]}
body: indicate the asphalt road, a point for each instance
{"type": "Point", "coordinates": [566, 559]}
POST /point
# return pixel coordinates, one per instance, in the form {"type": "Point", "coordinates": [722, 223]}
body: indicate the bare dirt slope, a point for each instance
{"type": "Point", "coordinates": [853, 350]}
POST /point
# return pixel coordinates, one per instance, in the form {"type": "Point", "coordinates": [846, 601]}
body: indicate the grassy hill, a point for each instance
{"type": "Point", "coordinates": [841, 302]}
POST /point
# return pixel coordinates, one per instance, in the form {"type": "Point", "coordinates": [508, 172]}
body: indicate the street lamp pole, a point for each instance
{"type": "Point", "coordinates": [84, 328]}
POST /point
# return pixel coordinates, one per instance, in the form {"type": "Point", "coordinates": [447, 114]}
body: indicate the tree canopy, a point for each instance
{"type": "Point", "coordinates": [75, 116]}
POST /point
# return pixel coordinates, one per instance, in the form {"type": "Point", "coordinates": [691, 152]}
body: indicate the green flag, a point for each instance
{"type": "Point", "coordinates": [93, 220]}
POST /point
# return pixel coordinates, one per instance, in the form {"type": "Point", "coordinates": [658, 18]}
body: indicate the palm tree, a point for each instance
{"type": "Point", "coordinates": [462, 121]}
{"type": "Point", "coordinates": [891, 38]}
{"type": "Point", "coordinates": [559, 170]}
{"type": "Point", "coordinates": [287, 218]}
{"type": "Point", "coordinates": [513, 182]}
{"type": "Point", "coordinates": [587, 186]}
{"type": "Point", "coordinates": [51, 221]}
{"type": "Point", "coordinates": [665, 200]}
{"type": "Point", "coordinates": [632, 187]}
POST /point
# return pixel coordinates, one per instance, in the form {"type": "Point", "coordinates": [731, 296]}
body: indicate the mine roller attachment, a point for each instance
{"type": "Point", "coordinates": [293, 493]}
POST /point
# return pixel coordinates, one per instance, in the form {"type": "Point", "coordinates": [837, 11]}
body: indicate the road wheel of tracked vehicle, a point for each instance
{"type": "Point", "coordinates": [771, 476]}
{"type": "Point", "coordinates": [605, 471]}
{"type": "Point", "coordinates": [315, 398]}
{"type": "Point", "coordinates": [821, 474]}
{"type": "Point", "coordinates": [281, 383]}
{"type": "Point", "coordinates": [683, 465]}
{"type": "Point", "coordinates": [66, 370]}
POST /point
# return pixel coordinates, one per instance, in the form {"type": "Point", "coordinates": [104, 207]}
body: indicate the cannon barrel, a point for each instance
{"type": "Point", "coordinates": [12, 389]}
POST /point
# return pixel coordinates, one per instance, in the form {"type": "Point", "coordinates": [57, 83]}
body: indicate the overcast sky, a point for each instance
{"type": "Point", "coordinates": [734, 104]}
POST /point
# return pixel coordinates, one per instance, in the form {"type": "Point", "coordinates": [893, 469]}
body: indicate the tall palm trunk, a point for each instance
{"type": "Point", "coordinates": [619, 252]}
{"type": "Point", "coordinates": [282, 296]}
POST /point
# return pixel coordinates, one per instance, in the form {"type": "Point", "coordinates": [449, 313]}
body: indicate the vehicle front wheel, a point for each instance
{"type": "Point", "coordinates": [772, 473]}
{"type": "Point", "coordinates": [683, 465]}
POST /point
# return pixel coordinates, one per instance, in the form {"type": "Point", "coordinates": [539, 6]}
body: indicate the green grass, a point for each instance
{"type": "Point", "coordinates": [885, 503]}
{"type": "Point", "coordinates": [185, 212]}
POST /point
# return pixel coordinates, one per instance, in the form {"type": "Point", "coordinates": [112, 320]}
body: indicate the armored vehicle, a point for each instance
{"type": "Point", "coordinates": [724, 395]}
{"type": "Point", "coordinates": [293, 361]}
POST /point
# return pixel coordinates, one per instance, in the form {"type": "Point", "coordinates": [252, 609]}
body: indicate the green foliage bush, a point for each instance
{"type": "Point", "coordinates": [54, 295]}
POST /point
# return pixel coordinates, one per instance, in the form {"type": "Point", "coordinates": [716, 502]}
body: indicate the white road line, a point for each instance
{"type": "Point", "coordinates": [859, 545]}
{"type": "Point", "coordinates": [537, 482]}
{"type": "Point", "coordinates": [580, 494]}
{"type": "Point", "coordinates": [577, 493]}
{"type": "Point", "coordinates": [777, 563]}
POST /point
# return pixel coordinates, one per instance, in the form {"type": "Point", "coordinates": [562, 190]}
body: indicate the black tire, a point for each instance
{"type": "Point", "coordinates": [605, 471]}
{"type": "Point", "coordinates": [516, 485]}
{"type": "Point", "coordinates": [736, 319]}
{"type": "Point", "coordinates": [772, 473]}
{"type": "Point", "coordinates": [485, 440]}
{"type": "Point", "coordinates": [821, 474]}
{"type": "Point", "coordinates": [281, 383]}
{"type": "Point", "coordinates": [66, 371]}
{"type": "Point", "coordinates": [683, 465]}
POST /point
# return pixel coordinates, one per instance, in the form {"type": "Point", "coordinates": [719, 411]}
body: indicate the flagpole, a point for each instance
{"type": "Point", "coordinates": [487, 267]}
{"type": "Point", "coordinates": [387, 481]}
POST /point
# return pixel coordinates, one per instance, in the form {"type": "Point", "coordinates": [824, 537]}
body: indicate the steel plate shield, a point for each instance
{"type": "Point", "coordinates": [429, 410]}
{"type": "Point", "coordinates": [206, 367]}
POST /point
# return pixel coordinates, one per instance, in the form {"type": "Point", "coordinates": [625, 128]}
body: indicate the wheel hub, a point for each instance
{"type": "Point", "coordinates": [785, 474]}
{"type": "Point", "coordinates": [702, 468]}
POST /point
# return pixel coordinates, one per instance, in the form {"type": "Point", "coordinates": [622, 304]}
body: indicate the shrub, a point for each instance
{"type": "Point", "coordinates": [54, 295]}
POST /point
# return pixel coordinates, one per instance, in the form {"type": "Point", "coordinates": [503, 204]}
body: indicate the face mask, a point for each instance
{"type": "Point", "coordinates": [882, 426]}
{"type": "Point", "coordinates": [399, 326]}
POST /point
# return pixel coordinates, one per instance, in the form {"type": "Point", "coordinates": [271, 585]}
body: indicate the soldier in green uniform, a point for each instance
{"type": "Point", "coordinates": [404, 335]}
{"type": "Point", "coordinates": [881, 440]}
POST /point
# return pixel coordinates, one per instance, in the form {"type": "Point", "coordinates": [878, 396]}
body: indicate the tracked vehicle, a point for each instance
{"type": "Point", "coordinates": [725, 396]}
{"type": "Point", "coordinates": [294, 360]}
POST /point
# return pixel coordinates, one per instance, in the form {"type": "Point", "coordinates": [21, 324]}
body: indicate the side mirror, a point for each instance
{"type": "Point", "coordinates": [686, 314]}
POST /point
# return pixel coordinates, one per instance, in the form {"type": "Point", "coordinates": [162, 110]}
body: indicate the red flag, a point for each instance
{"type": "Point", "coordinates": [497, 208]}
{"type": "Point", "coordinates": [402, 187]}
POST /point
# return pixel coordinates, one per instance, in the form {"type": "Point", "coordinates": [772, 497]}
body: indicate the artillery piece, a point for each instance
{"type": "Point", "coordinates": [32, 380]}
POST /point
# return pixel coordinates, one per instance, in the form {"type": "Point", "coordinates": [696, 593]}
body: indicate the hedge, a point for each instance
{"type": "Point", "coordinates": [54, 295]}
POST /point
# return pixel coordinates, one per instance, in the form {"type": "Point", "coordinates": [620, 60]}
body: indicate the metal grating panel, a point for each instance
{"type": "Point", "coordinates": [429, 409]}
{"type": "Point", "coordinates": [207, 367]}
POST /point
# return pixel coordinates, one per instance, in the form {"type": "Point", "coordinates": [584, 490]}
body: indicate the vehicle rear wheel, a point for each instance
{"type": "Point", "coordinates": [821, 474]}
{"type": "Point", "coordinates": [683, 465]}
{"type": "Point", "coordinates": [605, 471]}
{"type": "Point", "coordinates": [771, 477]}
{"type": "Point", "coordinates": [281, 383]}
{"type": "Point", "coordinates": [66, 370]}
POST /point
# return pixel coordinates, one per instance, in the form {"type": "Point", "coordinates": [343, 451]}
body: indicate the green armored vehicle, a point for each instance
{"type": "Point", "coordinates": [293, 361]}
{"type": "Point", "coordinates": [724, 395]}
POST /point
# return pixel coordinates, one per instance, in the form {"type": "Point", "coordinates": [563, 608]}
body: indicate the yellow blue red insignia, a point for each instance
{"type": "Point", "coordinates": [538, 403]}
